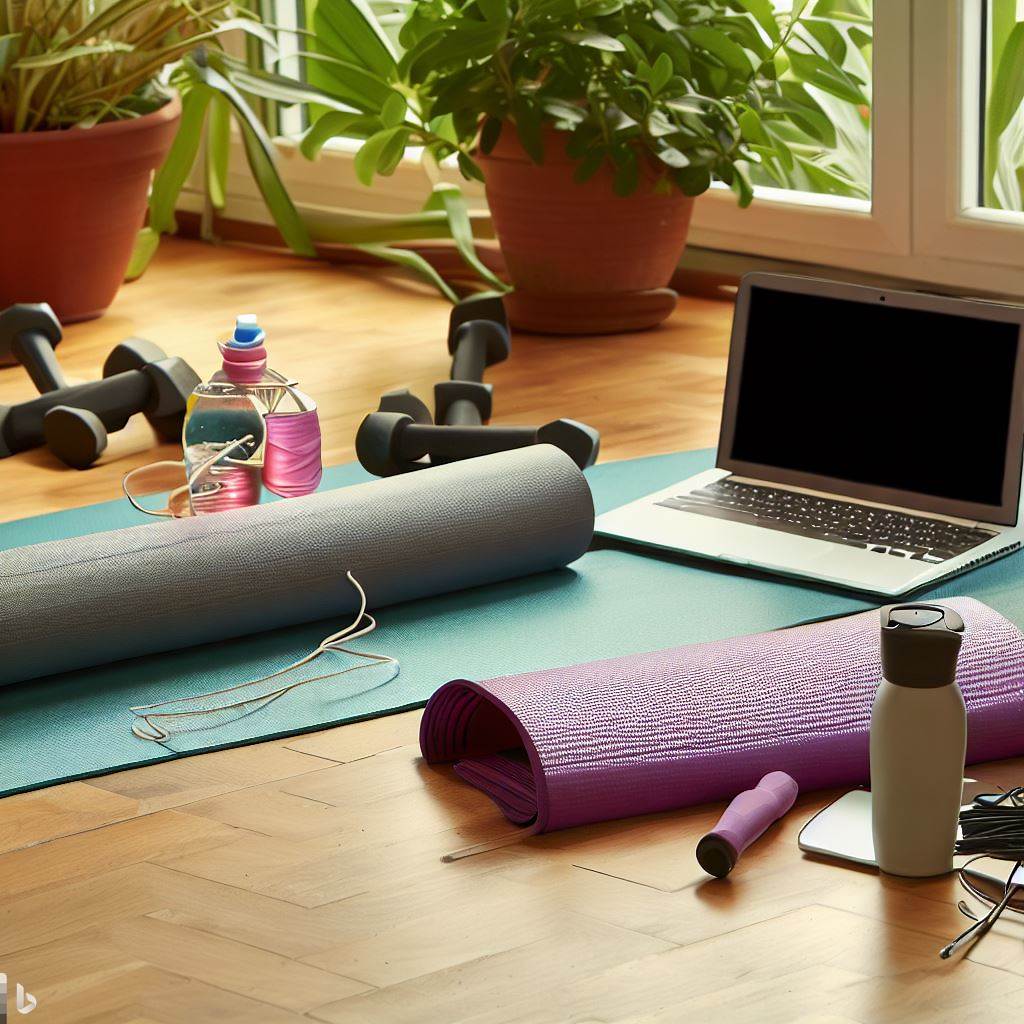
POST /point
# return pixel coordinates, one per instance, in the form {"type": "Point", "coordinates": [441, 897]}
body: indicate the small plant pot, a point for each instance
{"type": "Point", "coordinates": [583, 259]}
{"type": "Point", "coordinates": [74, 200]}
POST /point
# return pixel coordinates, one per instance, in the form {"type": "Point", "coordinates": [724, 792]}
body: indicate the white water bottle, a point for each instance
{"type": "Point", "coordinates": [918, 741]}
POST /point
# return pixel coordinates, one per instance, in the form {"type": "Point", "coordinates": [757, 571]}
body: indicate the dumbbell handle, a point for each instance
{"type": "Point", "coordinates": [462, 413]}
{"type": "Point", "coordinates": [453, 443]}
{"type": "Point", "coordinates": [35, 352]}
{"type": "Point", "coordinates": [469, 359]}
{"type": "Point", "coordinates": [114, 400]}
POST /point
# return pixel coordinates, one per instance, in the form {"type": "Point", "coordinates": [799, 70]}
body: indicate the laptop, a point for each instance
{"type": "Point", "coordinates": [870, 440]}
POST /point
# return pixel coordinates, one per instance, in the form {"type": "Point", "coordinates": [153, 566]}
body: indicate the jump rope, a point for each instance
{"type": "Point", "coordinates": [149, 716]}
{"type": "Point", "coordinates": [992, 827]}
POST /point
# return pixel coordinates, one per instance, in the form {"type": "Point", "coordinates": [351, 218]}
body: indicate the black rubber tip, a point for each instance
{"type": "Point", "coordinates": [716, 856]}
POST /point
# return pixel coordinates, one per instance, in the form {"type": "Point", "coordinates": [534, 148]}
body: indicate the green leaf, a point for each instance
{"type": "Point", "coordinates": [844, 10]}
{"type": "Point", "coordinates": [174, 171]}
{"type": "Point", "coordinates": [489, 134]}
{"type": "Point", "coordinates": [826, 36]}
{"type": "Point", "coordinates": [272, 86]}
{"type": "Point", "coordinates": [332, 124]}
{"type": "Point", "coordinates": [218, 151]}
{"type": "Point", "coordinates": [348, 30]}
{"type": "Point", "coordinates": [450, 199]}
{"type": "Point", "coordinates": [763, 13]}
{"type": "Point", "coordinates": [7, 48]}
{"type": "Point", "coordinates": [469, 167]}
{"type": "Point", "coordinates": [465, 41]}
{"type": "Point", "coordinates": [741, 185]}
{"type": "Point", "coordinates": [588, 166]}
{"type": "Point", "coordinates": [147, 241]}
{"type": "Point", "coordinates": [627, 171]}
{"type": "Point", "coordinates": [54, 57]}
{"type": "Point", "coordinates": [595, 40]}
{"type": "Point", "coordinates": [750, 124]}
{"type": "Point", "coordinates": [731, 54]}
{"type": "Point", "coordinates": [412, 261]}
{"type": "Point", "coordinates": [529, 129]}
{"type": "Point", "coordinates": [692, 181]}
{"type": "Point", "coordinates": [374, 152]}
{"type": "Point", "coordinates": [817, 71]}
{"type": "Point", "coordinates": [661, 73]}
{"type": "Point", "coordinates": [259, 151]}
{"type": "Point", "coordinates": [346, 81]}
{"type": "Point", "coordinates": [392, 113]}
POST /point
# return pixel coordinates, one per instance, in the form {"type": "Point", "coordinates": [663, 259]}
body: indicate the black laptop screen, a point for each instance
{"type": "Point", "coordinates": [874, 394]}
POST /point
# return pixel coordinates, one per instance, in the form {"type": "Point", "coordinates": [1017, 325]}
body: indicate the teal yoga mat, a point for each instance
{"type": "Point", "coordinates": [608, 603]}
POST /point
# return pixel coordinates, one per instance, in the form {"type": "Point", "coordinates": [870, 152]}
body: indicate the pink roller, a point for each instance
{"type": "Point", "coordinates": [745, 819]}
{"type": "Point", "coordinates": [653, 732]}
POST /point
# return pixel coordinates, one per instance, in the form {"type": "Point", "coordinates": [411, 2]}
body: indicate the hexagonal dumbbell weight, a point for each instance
{"type": "Point", "coordinates": [29, 332]}
{"type": "Point", "coordinates": [389, 443]}
{"type": "Point", "coordinates": [73, 421]}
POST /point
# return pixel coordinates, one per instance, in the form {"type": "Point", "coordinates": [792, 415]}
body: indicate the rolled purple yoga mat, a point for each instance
{"type": "Point", "coordinates": [652, 732]}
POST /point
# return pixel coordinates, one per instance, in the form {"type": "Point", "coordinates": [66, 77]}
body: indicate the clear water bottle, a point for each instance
{"type": "Point", "coordinates": [224, 434]}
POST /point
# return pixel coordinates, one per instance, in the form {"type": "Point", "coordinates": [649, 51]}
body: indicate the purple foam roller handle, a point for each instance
{"type": "Point", "coordinates": [744, 820]}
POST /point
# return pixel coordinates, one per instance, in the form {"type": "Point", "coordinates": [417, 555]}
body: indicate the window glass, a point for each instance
{"type": "Point", "coordinates": [1001, 140]}
{"type": "Point", "coordinates": [826, 81]}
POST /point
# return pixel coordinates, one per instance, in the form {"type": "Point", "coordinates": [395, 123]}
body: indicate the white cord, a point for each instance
{"type": "Point", "coordinates": [190, 480]}
{"type": "Point", "coordinates": [157, 733]}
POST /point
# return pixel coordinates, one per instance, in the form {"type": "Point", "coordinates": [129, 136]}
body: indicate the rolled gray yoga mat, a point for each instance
{"type": "Point", "coordinates": [163, 586]}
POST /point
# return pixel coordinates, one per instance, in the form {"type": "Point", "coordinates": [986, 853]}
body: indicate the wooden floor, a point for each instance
{"type": "Point", "coordinates": [301, 879]}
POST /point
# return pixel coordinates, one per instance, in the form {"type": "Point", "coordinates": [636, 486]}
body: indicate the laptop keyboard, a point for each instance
{"type": "Point", "coordinates": [877, 529]}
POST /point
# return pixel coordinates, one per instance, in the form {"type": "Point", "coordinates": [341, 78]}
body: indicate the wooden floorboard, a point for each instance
{"type": "Point", "coordinates": [301, 879]}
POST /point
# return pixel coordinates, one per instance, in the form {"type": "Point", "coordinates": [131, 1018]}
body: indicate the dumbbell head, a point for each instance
{"type": "Point", "coordinates": [132, 354]}
{"type": "Point", "coordinates": [405, 402]}
{"type": "Point", "coordinates": [26, 316]}
{"type": "Point", "coordinates": [487, 315]}
{"type": "Point", "coordinates": [377, 444]}
{"type": "Point", "coordinates": [172, 381]}
{"type": "Point", "coordinates": [76, 436]}
{"type": "Point", "coordinates": [580, 442]}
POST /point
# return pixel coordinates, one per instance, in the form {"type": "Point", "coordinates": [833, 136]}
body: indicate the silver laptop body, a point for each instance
{"type": "Point", "coordinates": [870, 439]}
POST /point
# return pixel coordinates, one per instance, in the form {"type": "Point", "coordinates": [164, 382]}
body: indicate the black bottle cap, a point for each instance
{"type": "Point", "coordinates": [920, 644]}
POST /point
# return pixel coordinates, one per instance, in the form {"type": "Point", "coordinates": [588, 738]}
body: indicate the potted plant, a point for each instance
{"type": "Point", "coordinates": [594, 124]}
{"type": "Point", "coordinates": [85, 120]}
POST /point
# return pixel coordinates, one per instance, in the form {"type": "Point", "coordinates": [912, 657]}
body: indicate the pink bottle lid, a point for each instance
{"type": "Point", "coordinates": [245, 357]}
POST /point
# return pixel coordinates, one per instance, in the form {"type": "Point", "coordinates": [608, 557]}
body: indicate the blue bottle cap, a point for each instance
{"type": "Point", "coordinates": [248, 333]}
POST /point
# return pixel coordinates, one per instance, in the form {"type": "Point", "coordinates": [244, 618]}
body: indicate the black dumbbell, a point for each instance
{"type": "Point", "coordinates": [173, 377]}
{"type": "Point", "coordinates": [478, 337]}
{"type": "Point", "coordinates": [29, 332]}
{"type": "Point", "coordinates": [73, 421]}
{"type": "Point", "coordinates": [388, 443]}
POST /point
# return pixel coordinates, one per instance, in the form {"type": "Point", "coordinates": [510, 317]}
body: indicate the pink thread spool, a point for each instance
{"type": "Point", "coordinates": [236, 487]}
{"type": "Point", "coordinates": [292, 464]}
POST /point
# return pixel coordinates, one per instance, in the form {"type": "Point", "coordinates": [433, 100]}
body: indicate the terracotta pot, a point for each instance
{"type": "Point", "coordinates": [583, 260]}
{"type": "Point", "coordinates": [73, 201]}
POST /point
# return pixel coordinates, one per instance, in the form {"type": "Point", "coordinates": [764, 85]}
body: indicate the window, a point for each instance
{"type": "Point", "coordinates": [999, 163]}
{"type": "Point", "coordinates": [925, 181]}
{"type": "Point", "coordinates": [968, 125]}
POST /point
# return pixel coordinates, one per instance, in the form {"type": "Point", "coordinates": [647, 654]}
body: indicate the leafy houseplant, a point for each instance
{"type": "Point", "coordinates": [593, 124]}
{"type": "Point", "coordinates": [84, 121]}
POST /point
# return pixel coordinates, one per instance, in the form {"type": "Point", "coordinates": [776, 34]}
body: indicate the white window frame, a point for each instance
{"type": "Point", "coordinates": [917, 226]}
{"type": "Point", "coordinates": [950, 225]}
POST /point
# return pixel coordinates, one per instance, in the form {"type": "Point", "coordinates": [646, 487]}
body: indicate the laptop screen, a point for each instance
{"type": "Point", "coordinates": [909, 399]}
